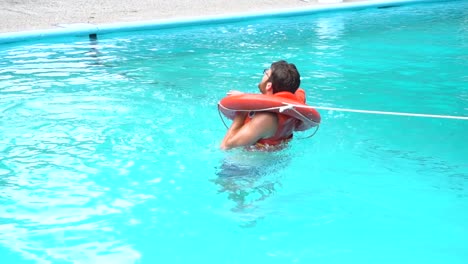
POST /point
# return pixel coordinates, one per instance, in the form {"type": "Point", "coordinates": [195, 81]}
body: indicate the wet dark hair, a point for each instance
{"type": "Point", "coordinates": [284, 77]}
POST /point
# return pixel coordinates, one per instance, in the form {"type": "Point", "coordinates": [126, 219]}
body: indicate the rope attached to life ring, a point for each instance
{"type": "Point", "coordinates": [292, 107]}
{"type": "Point", "coordinates": [281, 109]}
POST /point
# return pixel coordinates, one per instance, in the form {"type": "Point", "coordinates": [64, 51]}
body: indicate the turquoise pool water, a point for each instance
{"type": "Point", "coordinates": [109, 150]}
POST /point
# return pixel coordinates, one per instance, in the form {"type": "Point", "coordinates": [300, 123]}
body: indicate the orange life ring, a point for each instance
{"type": "Point", "coordinates": [283, 103]}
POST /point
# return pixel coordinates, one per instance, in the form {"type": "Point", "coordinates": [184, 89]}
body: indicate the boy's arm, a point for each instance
{"type": "Point", "coordinates": [262, 125]}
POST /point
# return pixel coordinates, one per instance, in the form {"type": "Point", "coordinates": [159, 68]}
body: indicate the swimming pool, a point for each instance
{"type": "Point", "coordinates": [109, 149]}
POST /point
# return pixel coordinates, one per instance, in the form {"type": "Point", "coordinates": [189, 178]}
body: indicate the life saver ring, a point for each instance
{"type": "Point", "coordinates": [285, 103]}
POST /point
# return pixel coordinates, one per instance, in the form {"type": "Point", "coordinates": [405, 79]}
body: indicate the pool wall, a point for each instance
{"type": "Point", "coordinates": [84, 29]}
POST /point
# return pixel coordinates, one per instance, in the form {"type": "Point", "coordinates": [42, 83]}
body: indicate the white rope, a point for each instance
{"type": "Point", "coordinates": [387, 113]}
{"type": "Point", "coordinates": [288, 106]}
{"type": "Point", "coordinates": [281, 109]}
{"type": "Point", "coordinates": [293, 106]}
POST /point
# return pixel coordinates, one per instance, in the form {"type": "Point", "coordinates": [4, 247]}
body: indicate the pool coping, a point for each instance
{"type": "Point", "coordinates": [88, 29]}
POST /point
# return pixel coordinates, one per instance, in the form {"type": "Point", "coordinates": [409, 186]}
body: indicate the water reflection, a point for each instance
{"type": "Point", "coordinates": [330, 27]}
{"type": "Point", "coordinates": [250, 177]}
{"type": "Point", "coordinates": [94, 52]}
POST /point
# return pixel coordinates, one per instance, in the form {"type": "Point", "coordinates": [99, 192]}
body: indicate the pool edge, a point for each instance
{"type": "Point", "coordinates": [86, 29]}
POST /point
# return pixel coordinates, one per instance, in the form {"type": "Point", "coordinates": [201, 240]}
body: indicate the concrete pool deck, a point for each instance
{"type": "Point", "coordinates": [31, 15]}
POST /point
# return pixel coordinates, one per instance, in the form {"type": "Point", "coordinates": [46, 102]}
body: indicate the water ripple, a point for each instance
{"type": "Point", "coordinates": [109, 147]}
